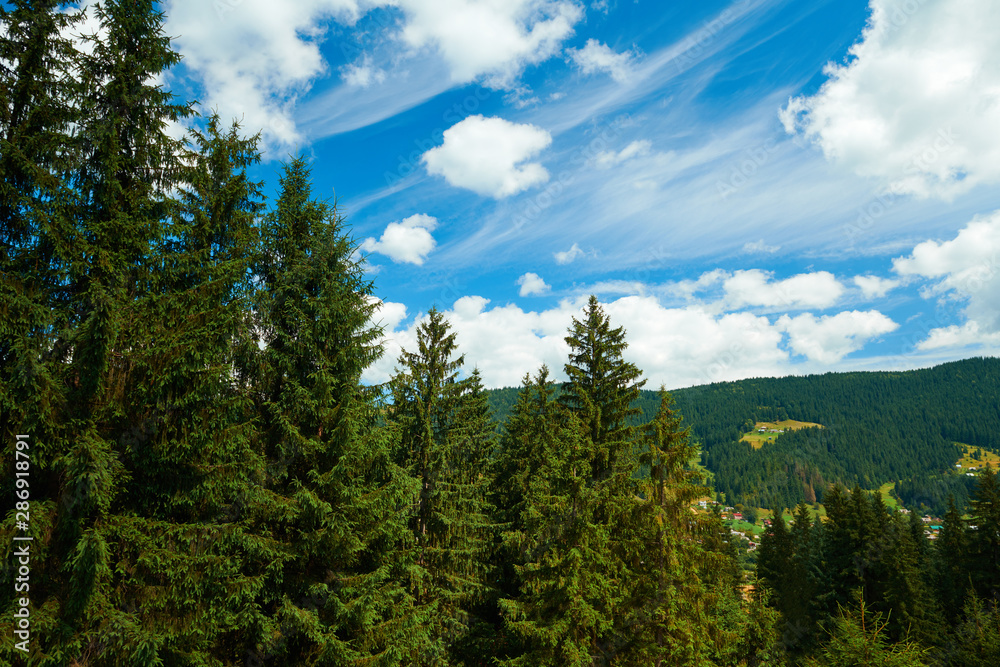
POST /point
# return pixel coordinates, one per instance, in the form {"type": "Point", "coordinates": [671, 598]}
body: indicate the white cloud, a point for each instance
{"type": "Point", "coordinates": [805, 290]}
{"type": "Point", "coordinates": [916, 107]}
{"type": "Point", "coordinates": [955, 336]}
{"type": "Point", "coordinates": [676, 347]}
{"type": "Point", "coordinates": [568, 256]}
{"type": "Point", "coordinates": [598, 57]}
{"type": "Point", "coordinates": [489, 156]}
{"type": "Point", "coordinates": [606, 159]}
{"type": "Point", "coordinates": [873, 287]}
{"type": "Point", "coordinates": [389, 315]}
{"type": "Point", "coordinates": [253, 58]}
{"type": "Point", "coordinates": [493, 39]}
{"type": "Point", "coordinates": [686, 346]}
{"type": "Point", "coordinates": [529, 339]}
{"type": "Point", "coordinates": [830, 338]}
{"type": "Point", "coordinates": [532, 284]}
{"type": "Point", "coordinates": [672, 346]}
{"type": "Point", "coordinates": [966, 268]}
{"type": "Point", "coordinates": [615, 288]}
{"type": "Point", "coordinates": [362, 74]}
{"type": "Point", "coordinates": [759, 247]}
{"type": "Point", "coordinates": [408, 241]}
{"type": "Point", "coordinates": [686, 289]}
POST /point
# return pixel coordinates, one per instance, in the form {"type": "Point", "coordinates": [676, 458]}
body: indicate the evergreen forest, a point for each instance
{"type": "Point", "coordinates": [908, 428]}
{"type": "Point", "coordinates": [197, 476]}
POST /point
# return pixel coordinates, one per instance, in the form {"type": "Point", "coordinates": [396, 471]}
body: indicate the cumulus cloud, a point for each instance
{"type": "Point", "coordinates": [955, 336]}
{"type": "Point", "coordinates": [529, 339]}
{"type": "Point", "coordinates": [408, 241]}
{"type": "Point", "coordinates": [568, 256]}
{"type": "Point", "coordinates": [253, 59]}
{"type": "Point", "coordinates": [686, 289]}
{"type": "Point", "coordinates": [490, 156]}
{"type": "Point", "coordinates": [532, 284]}
{"type": "Point", "coordinates": [598, 57]}
{"type": "Point", "coordinates": [674, 346]}
{"type": "Point", "coordinates": [606, 159]}
{"type": "Point", "coordinates": [873, 287]}
{"type": "Point", "coordinates": [805, 290]}
{"type": "Point", "coordinates": [830, 338]}
{"type": "Point", "coordinates": [916, 105]}
{"type": "Point", "coordinates": [687, 346]}
{"type": "Point", "coordinates": [492, 39]}
{"type": "Point", "coordinates": [966, 268]}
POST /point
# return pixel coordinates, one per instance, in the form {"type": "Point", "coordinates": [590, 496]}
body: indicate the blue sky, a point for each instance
{"type": "Point", "coordinates": [759, 187]}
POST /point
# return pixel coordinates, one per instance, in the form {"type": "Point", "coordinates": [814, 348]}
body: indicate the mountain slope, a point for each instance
{"type": "Point", "coordinates": [879, 427]}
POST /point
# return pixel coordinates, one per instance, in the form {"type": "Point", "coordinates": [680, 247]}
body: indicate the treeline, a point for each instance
{"type": "Point", "coordinates": [206, 479]}
{"type": "Point", "coordinates": [878, 427]}
{"type": "Point", "coordinates": [866, 587]}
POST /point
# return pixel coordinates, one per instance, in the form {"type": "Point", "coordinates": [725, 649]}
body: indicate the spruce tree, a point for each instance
{"type": "Point", "coordinates": [976, 639]}
{"type": "Point", "coordinates": [984, 511]}
{"type": "Point", "coordinates": [561, 615]}
{"type": "Point", "coordinates": [859, 637]}
{"type": "Point", "coordinates": [190, 447]}
{"type": "Point", "coordinates": [99, 240]}
{"type": "Point", "coordinates": [337, 501]}
{"type": "Point", "coordinates": [444, 437]}
{"type": "Point", "coordinates": [667, 617]}
{"type": "Point", "coordinates": [601, 388]}
{"type": "Point", "coordinates": [952, 577]}
{"type": "Point", "coordinates": [530, 434]}
{"type": "Point", "coordinates": [577, 539]}
{"type": "Point", "coordinates": [36, 232]}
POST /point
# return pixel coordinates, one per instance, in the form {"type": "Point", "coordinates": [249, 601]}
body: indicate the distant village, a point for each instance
{"type": "Point", "coordinates": [732, 518]}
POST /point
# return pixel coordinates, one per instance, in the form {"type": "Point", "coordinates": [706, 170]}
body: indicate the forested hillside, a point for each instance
{"type": "Point", "coordinates": [878, 427]}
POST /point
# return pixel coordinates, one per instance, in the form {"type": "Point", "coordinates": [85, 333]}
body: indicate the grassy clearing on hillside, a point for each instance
{"type": "Point", "coordinates": [757, 439]}
{"type": "Point", "coordinates": [889, 501]}
{"type": "Point", "coordinates": [985, 457]}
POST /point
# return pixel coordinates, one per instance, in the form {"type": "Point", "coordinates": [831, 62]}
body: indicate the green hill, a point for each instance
{"type": "Point", "coordinates": [878, 427]}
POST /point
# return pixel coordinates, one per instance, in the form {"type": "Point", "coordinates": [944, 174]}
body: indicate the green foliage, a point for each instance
{"type": "Point", "coordinates": [444, 438]}
{"type": "Point", "coordinates": [674, 578]}
{"type": "Point", "coordinates": [608, 567]}
{"type": "Point", "coordinates": [335, 499]}
{"type": "Point", "coordinates": [976, 642]}
{"type": "Point", "coordinates": [601, 388]}
{"type": "Point", "coordinates": [859, 639]}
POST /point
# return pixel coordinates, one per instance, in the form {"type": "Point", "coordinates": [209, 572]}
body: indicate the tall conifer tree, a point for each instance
{"type": "Point", "coordinates": [664, 621]}
{"type": "Point", "coordinates": [984, 508]}
{"type": "Point", "coordinates": [601, 388]}
{"type": "Point", "coordinates": [444, 438]}
{"type": "Point", "coordinates": [952, 577]}
{"type": "Point", "coordinates": [337, 504]}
